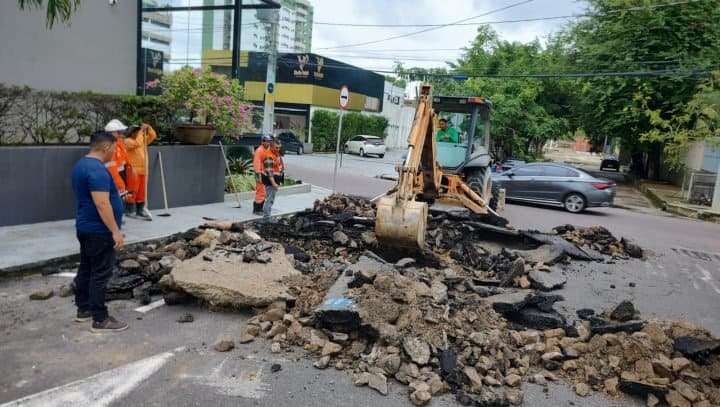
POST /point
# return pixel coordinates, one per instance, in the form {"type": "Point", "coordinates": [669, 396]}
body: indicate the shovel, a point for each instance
{"type": "Point", "coordinates": [232, 180]}
{"type": "Point", "coordinates": [162, 180]}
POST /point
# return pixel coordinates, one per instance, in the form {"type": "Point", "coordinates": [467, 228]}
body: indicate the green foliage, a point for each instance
{"type": "Point", "coordinates": [699, 120]}
{"type": "Point", "coordinates": [325, 123]}
{"type": "Point", "coordinates": [41, 117]}
{"type": "Point", "coordinates": [206, 97]}
{"type": "Point", "coordinates": [399, 82]}
{"type": "Point", "coordinates": [150, 110]}
{"type": "Point", "coordinates": [241, 165]}
{"type": "Point", "coordinates": [57, 10]}
{"type": "Point", "coordinates": [246, 182]}
{"type": "Point", "coordinates": [526, 112]}
{"type": "Point", "coordinates": [682, 37]}
{"type": "Point", "coordinates": [234, 152]}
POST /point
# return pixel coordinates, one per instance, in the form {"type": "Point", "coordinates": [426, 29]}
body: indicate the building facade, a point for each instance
{"type": "Point", "coordinates": [97, 52]}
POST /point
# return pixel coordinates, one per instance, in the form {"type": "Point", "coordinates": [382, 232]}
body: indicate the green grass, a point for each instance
{"type": "Point", "coordinates": [246, 182]}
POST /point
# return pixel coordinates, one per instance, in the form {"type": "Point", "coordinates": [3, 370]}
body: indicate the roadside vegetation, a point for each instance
{"type": "Point", "coordinates": [637, 71]}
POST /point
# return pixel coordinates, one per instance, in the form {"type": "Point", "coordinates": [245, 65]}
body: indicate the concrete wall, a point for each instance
{"type": "Point", "coordinates": [36, 183]}
{"type": "Point", "coordinates": [97, 52]}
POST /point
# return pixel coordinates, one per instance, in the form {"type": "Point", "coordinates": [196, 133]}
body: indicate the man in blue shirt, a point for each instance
{"type": "Point", "coordinates": [98, 218]}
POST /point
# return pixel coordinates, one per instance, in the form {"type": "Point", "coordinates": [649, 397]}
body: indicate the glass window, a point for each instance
{"type": "Point", "coordinates": [555, 171]}
{"type": "Point", "coordinates": [186, 3]}
{"type": "Point", "coordinates": [195, 38]}
{"type": "Point", "coordinates": [528, 171]}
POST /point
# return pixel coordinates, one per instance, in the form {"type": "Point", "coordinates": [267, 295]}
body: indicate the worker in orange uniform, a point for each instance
{"type": "Point", "coordinates": [119, 167]}
{"type": "Point", "coordinates": [278, 163]}
{"type": "Point", "coordinates": [261, 153]}
{"type": "Point", "coordinates": [136, 144]}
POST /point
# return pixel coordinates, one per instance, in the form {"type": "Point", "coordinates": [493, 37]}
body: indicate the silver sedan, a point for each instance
{"type": "Point", "coordinates": [556, 185]}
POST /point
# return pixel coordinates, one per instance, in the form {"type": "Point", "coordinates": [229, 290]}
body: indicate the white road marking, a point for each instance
{"type": "Point", "coordinates": [68, 274]}
{"type": "Point", "coordinates": [151, 306]}
{"type": "Point", "coordinates": [98, 390]}
{"type": "Point", "coordinates": [232, 381]}
{"type": "Point", "coordinates": [707, 278]}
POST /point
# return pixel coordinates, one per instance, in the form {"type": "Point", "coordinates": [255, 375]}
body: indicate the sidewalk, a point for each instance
{"type": "Point", "coordinates": [24, 247]}
{"type": "Point", "coordinates": [668, 197]}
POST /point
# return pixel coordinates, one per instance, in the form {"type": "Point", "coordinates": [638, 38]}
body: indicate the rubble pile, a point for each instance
{"type": "Point", "coordinates": [471, 316]}
{"type": "Point", "coordinates": [650, 360]}
{"type": "Point", "coordinates": [599, 239]}
{"type": "Point", "coordinates": [142, 266]}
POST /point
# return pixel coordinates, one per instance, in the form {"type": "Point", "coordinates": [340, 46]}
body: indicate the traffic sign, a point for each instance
{"type": "Point", "coordinates": [270, 87]}
{"type": "Point", "coordinates": [344, 97]}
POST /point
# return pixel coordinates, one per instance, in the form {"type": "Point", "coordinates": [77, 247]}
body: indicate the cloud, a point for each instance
{"type": "Point", "coordinates": [375, 56]}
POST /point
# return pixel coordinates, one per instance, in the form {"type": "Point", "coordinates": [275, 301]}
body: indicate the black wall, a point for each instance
{"type": "Point", "coordinates": [35, 181]}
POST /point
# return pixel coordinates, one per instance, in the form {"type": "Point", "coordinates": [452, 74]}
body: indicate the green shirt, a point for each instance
{"type": "Point", "coordinates": [450, 135]}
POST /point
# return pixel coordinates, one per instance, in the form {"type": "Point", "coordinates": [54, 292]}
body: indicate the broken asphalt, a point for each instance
{"type": "Point", "coordinates": [33, 345]}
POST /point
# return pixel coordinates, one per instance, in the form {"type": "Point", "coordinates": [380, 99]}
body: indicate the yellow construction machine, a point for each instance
{"type": "Point", "coordinates": [455, 172]}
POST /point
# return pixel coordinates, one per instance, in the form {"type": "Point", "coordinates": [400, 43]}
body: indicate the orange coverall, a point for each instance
{"type": "Point", "coordinates": [261, 153]}
{"type": "Point", "coordinates": [119, 167]}
{"type": "Point", "coordinates": [136, 145]}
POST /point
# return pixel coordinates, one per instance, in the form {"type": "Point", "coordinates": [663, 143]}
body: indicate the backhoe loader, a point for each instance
{"type": "Point", "coordinates": [449, 173]}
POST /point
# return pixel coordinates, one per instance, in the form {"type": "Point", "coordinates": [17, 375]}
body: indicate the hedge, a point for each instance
{"type": "Point", "coordinates": [325, 123]}
{"type": "Point", "coordinates": [30, 116]}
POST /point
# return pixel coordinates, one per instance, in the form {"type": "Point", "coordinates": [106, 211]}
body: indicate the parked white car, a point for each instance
{"type": "Point", "coordinates": [364, 145]}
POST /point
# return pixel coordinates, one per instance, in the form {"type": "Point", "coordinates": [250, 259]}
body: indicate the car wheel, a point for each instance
{"type": "Point", "coordinates": [480, 181]}
{"type": "Point", "coordinates": [299, 150]}
{"type": "Point", "coordinates": [362, 153]}
{"type": "Point", "coordinates": [574, 203]}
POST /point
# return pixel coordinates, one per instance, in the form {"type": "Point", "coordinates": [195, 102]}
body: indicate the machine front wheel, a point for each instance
{"type": "Point", "coordinates": [480, 181]}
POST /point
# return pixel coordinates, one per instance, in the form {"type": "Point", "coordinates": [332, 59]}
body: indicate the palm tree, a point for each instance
{"type": "Point", "coordinates": [57, 10]}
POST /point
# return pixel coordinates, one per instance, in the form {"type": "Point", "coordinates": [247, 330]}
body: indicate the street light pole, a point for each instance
{"type": "Point", "coordinates": [271, 17]}
{"type": "Point", "coordinates": [716, 193]}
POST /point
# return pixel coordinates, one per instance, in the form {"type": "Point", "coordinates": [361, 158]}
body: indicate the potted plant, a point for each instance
{"type": "Point", "coordinates": [205, 102]}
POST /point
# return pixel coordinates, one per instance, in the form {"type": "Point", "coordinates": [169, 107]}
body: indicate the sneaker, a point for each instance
{"type": "Point", "coordinates": [83, 316]}
{"type": "Point", "coordinates": [142, 212]}
{"type": "Point", "coordinates": [110, 324]}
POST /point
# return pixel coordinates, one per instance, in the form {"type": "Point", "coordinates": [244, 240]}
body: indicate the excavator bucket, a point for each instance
{"type": "Point", "coordinates": [401, 223]}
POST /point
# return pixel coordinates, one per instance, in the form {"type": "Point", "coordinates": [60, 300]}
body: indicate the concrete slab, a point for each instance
{"type": "Point", "coordinates": [24, 247]}
{"type": "Point", "coordinates": [227, 281]}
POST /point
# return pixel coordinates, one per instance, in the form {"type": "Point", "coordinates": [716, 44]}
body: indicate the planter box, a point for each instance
{"type": "Point", "coordinates": [37, 186]}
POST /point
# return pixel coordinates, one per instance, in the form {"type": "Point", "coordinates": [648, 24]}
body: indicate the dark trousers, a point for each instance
{"type": "Point", "coordinates": [97, 261]}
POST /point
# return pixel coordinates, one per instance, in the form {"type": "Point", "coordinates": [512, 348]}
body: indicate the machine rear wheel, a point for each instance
{"type": "Point", "coordinates": [480, 181]}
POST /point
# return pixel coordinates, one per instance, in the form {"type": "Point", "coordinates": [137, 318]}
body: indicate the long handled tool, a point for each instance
{"type": "Point", "coordinates": [162, 181]}
{"type": "Point", "coordinates": [232, 180]}
{"type": "Point", "coordinates": [147, 172]}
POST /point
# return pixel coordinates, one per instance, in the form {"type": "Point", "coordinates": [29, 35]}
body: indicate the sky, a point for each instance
{"type": "Point", "coordinates": [411, 49]}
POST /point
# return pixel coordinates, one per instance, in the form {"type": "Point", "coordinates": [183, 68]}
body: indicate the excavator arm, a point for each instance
{"type": "Point", "coordinates": [401, 218]}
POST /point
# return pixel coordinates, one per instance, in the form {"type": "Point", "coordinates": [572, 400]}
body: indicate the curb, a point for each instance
{"type": "Point", "coordinates": [38, 266]}
{"type": "Point", "coordinates": [283, 191]}
{"type": "Point", "coordinates": [679, 210]}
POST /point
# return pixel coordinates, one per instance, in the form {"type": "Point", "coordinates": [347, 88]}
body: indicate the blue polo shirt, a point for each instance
{"type": "Point", "coordinates": [89, 174]}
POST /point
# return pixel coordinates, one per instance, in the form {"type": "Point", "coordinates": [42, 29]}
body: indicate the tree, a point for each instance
{"type": "Point", "coordinates": [698, 121]}
{"type": "Point", "coordinates": [57, 10]}
{"type": "Point", "coordinates": [684, 38]}
{"type": "Point", "coordinates": [526, 112]}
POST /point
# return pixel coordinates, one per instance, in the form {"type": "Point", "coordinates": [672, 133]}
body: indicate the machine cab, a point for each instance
{"type": "Point", "coordinates": [462, 131]}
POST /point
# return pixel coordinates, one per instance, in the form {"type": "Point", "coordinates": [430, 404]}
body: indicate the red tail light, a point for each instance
{"type": "Point", "coordinates": [603, 185]}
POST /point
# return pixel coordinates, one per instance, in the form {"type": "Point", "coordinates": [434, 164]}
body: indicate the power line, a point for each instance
{"type": "Point", "coordinates": [556, 75]}
{"type": "Point", "coordinates": [523, 20]}
{"type": "Point", "coordinates": [431, 28]}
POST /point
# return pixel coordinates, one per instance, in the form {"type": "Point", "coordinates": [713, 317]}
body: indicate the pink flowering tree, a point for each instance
{"type": "Point", "coordinates": [207, 98]}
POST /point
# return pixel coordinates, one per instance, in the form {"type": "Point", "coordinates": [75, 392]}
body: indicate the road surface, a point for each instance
{"type": "Point", "coordinates": [49, 360]}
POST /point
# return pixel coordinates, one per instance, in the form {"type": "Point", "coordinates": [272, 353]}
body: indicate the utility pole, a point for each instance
{"type": "Point", "coordinates": [271, 18]}
{"type": "Point", "coordinates": [716, 193]}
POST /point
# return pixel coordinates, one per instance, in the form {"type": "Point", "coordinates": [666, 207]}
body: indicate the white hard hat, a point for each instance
{"type": "Point", "coordinates": [115, 125]}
